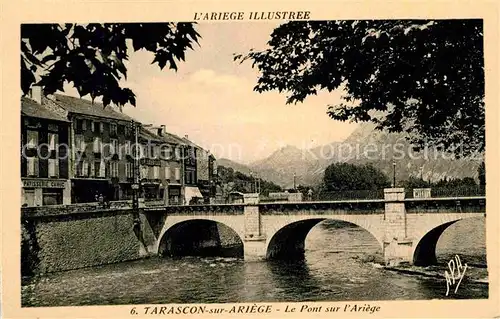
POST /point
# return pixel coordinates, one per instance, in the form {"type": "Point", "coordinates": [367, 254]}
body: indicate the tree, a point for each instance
{"type": "Point", "coordinates": [344, 176]}
{"type": "Point", "coordinates": [481, 172]}
{"type": "Point", "coordinates": [414, 182]}
{"type": "Point", "coordinates": [91, 56]}
{"type": "Point", "coordinates": [425, 78]}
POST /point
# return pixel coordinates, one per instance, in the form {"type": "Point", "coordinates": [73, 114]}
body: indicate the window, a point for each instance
{"type": "Point", "coordinates": [129, 170]}
{"type": "Point", "coordinates": [85, 168]}
{"type": "Point", "coordinates": [32, 139]}
{"type": "Point", "coordinates": [156, 151]}
{"type": "Point", "coordinates": [101, 127]}
{"type": "Point", "coordinates": [113, 167]}
{"type": "Point", "coordinates": [53, 167]}
{"type": "Point", "coordinates": [128, 148]}
{"type": "Point", "coordinates": [99, 168]}
{"type": "Point", "coordinates": [114, 146]}
{"type": "Point", "coordinates": [32, 166]}
{"type": "Point", "coordinates": [79, 143]}
{"type": "Point", "coordinates": [177, 153]}
{"type": "Point", "coordinates": [167, 172]}
{"type": "Point", "coordinates": [177, 173]}
{"type": "Point", "coordinates": [112, 129]}
{"type": "Point", "coordinates": [166, 152]}
{"type": "Point", "coordinates": [144, 172]}
{"type": "Point", "coordinates": [29, 197]}
{"type": "Point", "coordinates": [53, 127]}
{"type": "Point", "coordinates": [97, 127]}
{"type": "Point", "coordinates": [97, 144]}
{"type": "Point", "coordinates": [52, 196]}
{"type": "Point", "coordinates": [156, 172]}
{"type": "Point", "coordinates": [79, 125]}
{"type": "Point", "coordinates": [53, 141]}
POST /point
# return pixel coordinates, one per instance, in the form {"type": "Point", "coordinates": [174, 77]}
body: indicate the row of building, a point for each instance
{"type": "Point", "coordinates": [77, 151]}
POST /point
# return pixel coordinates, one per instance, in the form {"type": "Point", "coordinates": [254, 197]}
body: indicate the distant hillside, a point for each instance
{"type": "Point", "coordinates": [364, 145]}
{"type": "Point", "coordinates": [234, 165]}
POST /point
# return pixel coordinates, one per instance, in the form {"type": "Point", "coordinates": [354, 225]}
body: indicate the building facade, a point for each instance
{"type": "Point", "coordinates": [44, 154]}
{"type": "Point", "coordinates": [161, 166]}
{"type": "Point", "coordinates": [101, 161]}
{"type": "Point", "coordinates": [97, 162]}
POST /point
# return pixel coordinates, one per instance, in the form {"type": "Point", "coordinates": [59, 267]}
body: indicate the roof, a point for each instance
{"type": "Point", "coordinates": [83, 106]}
{"type": "Point", "coordinates": [33, 109]}
{"type": "Point", "coordinates": [147, 135]}
{"type": "Point", "coordinates": [172, 138]}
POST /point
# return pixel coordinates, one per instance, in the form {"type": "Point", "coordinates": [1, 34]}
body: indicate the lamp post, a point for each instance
{"type": "Point", "coordinates": [394, 174]}
{"type": "Point", "coordinates": [294, 181]}
{"type": "Point", "coordinates": [251, 182]}
{"type": "Point", "coordinates": [135, 185]}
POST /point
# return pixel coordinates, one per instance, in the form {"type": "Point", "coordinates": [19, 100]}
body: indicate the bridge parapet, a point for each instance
{"type": "Point", "coordinates": [68, 211]}
{"type": "Point", "coordinates": [217, 209]}
{"type": "Point", "coordinates": [446, 205]}
{"type": "Point", "coordinates": [352, 207]}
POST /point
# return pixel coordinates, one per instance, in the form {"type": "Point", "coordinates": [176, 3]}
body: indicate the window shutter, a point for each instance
{"type": "Point", "coordinates": [51, 168]}
{"type": "Point", "coordinates": [102, 169]}
{"type": "Point", "coordinates": [31, 166]}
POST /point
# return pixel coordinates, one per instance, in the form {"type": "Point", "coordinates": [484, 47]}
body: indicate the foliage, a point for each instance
{"type": "Point", "coordinates": [344, 176]}
{"type": "Point", "coordinates": [482, 174]}
{"type": "Point", "coordinates": [422, 77]}
{"type": "Point", "coordinates": [414, 182]}
{"type": "Point", "coordinates": [92, 56]}
{"type": "Point", "coordinates": [456, 183]}
{"type": "Point", "coordinates": [451, 183]}
{"type": "Point", "coordinates": [239, 182]}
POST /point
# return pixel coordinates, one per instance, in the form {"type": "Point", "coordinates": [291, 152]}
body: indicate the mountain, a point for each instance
{"type": "Point", "coordinates": [234, 165]}
{"type": "Point", "coordinates": [364, 145]}
{"type": "Point", "coordinates": [280, 166]}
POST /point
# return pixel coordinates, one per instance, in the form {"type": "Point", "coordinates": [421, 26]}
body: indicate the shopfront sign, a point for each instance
{"type": "Point", "coordinates": [150, 162]}
{"type": "Point", "coordinates": [43, 183]}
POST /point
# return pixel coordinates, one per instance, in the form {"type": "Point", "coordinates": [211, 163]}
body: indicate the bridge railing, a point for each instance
{"type": "Point", "coordinates": [350, 195]}
{"type": "Point", "coordinates": [449, 192]}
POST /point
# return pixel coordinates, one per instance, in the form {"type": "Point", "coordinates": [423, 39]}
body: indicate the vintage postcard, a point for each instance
{"type": "Point", "coordinates": [282, 159]}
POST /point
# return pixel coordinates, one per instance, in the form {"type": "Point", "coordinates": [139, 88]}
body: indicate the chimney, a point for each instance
{"type": "Point", "coordinates": [186, 137]}
{"type": "Point", "coordinates": [36, 94]}
{"type": "Point", "coordinates": [161, 129]}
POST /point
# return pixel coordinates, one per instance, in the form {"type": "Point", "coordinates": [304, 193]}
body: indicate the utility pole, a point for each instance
{"type": "Point", "coordinates": [251, 182]}
{"type": "Point", "coordinates": [394, 174]}
{"type": "Point", "coordinates": [294, 181]}
{"type": "Point", "coordinates": [256, 185]}
{"type": "Point", "coordinates": [135, 185]}
{"type": "Point", "coordinates": [182, 151]}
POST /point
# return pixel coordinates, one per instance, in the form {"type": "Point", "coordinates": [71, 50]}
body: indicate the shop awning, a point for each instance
{"type": "Point", "coordinates": [191, 192]}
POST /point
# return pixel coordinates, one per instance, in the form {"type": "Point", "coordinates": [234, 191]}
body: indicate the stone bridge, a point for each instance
{"type": "Point", "coordinates": [406, 229]}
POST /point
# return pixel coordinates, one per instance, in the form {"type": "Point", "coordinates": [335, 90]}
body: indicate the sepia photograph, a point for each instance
{"type": "Point", "coordinates": [252, 162]}
{"type": "Point", "coordinates": [162, 164]}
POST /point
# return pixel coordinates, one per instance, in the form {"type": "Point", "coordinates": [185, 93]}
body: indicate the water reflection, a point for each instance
{"type": "Point", "coordinates": [336, 267]}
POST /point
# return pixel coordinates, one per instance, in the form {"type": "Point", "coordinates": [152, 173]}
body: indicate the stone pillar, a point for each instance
{"type": "Point", "coordinates": [397, 246]}
{"type": "Point", "coordinates": [67, 193]}
{"type": "Point", "coordinates": [38, 196]}
{"type": "Point", "coordinates": [254, 243]}
{"type": "Point", "coordinates": [166, 196]}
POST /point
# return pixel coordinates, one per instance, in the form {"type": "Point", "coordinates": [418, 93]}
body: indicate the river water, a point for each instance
{"type": "Point", "coordinates": [341, 264]}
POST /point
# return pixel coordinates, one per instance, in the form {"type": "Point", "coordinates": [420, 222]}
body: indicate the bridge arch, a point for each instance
{"type": "Point", "coordinates": [182, 235]}
{"type": "Point", "coordinates": [286, 240]}
{"type": "Point", "coordinates": [426, 239]}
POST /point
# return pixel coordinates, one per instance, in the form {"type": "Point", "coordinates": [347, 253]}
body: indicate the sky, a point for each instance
{"type": "Point", "coordinates": [211, 99]}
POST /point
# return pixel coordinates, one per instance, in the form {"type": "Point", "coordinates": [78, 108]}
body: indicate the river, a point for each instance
{"type": "Point", "coordinates": [340, 265]}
